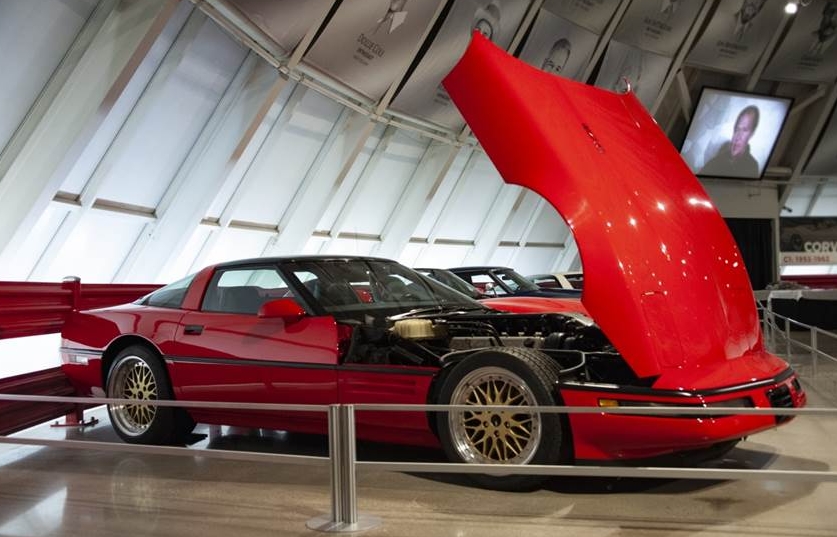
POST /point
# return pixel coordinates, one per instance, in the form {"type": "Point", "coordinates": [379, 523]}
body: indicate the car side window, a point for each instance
{"type": "Point", "coordinates": [486, 284]}
{"type": "Point", "coordinates": [243, 290]}
{"type": "Point", "coordinates": [506, 279]}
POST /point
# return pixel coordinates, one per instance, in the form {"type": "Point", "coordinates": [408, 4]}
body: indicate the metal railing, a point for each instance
{"type": "Point", "coordinates": [812, 357]}
{"type": "Point", "coordinates": [343, 463]}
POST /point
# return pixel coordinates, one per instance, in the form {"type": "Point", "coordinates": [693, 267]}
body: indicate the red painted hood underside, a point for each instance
{"type": "Point", "coordinates": [663, 276]}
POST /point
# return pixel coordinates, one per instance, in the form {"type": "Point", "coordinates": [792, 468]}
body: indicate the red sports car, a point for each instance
{"type": "Point", "coordinates": [672, 319]}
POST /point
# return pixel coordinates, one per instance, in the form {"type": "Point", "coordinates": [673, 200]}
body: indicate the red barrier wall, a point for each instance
{"type": "Point", "coordinates": [32, 309]}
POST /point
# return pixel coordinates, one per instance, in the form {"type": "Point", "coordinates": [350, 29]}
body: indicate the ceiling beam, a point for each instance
{"type": "Point", "coordinates": [680, 57]}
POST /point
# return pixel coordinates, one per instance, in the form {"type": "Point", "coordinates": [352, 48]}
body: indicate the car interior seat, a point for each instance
{"type": "Point", "coordinates": [241, 299]}
{"type": "Point", "coordinates": [338, 294]}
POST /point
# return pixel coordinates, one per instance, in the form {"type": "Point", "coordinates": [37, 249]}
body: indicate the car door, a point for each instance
{"type": "Point", "coordinates": [226, 352]}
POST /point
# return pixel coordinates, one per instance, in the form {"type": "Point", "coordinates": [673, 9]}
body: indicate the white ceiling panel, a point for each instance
{"type": "Point", "coordinates": [502, 256]}
{"type": "Point", "coordinates": [437, 202]}
{"type": "Point", "coordinates": [442, 255]}
{"type": "Point", "coordinates": [182, 262]}
{"type": "Point", "coordinates": [520, 219]}
{"type": "Point", "coordinates": [471, 201]}
{"type": "Point", "coordinates": [285, 158]}
{"type": "Point", "coordinates": [96, 248]}
{"type": "Point", "coordinates": [385, 183]}
{"type": "Point", "coordinates": [30, 57]}
{"type": "Point", "coordinates": [826, 204]}
{"type": "Point", "coordinates": [348, 184]}
{"type": "Point", "coordinates": [349, 247]}
{"type": "Point", "coordinates": [102, 139]}
{"type": "Point", "coordinates": [32, 249]}
{"type": "Point", "coordinates": [171, 114]}
{"type": "Point", "coordinates": [799, 198]}
{"type": "Point", "coordinates": [549, 227]}
{"type": "Point", "coordinates": [535, 260]}
{"type": "Point", "coordinates": [232, 244]}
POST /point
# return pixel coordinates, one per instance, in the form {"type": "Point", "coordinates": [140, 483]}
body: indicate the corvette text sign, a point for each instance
{"type": "Point", "coordinates": [808, 241]}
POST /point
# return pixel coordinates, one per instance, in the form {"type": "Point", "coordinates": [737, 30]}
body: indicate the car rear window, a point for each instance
{"type": "Point", "coordinates": [170, 296]}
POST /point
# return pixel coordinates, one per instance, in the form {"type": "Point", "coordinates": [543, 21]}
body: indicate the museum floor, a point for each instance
{"type": "Point", "coordinates": [50, 491]}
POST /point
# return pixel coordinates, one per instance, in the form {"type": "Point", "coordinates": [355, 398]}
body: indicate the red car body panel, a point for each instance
{"type": "Point", "coordinates": [535, 304]}
{"type": "Point", "coordinates": [622, 436]}
{"type": "Point", "coordinates": [244, 358]}
{"type": "Point", "coordinates": [663, 275]}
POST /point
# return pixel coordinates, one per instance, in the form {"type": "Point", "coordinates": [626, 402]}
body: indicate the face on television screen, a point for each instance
{"type": "Point", "coordinates": [732, 133]}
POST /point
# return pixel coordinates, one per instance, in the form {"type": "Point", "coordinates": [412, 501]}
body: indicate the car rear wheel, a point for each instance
{"type": "Point", "coordinates": [512, 377]}
{"type": "Point", "coordinates": [138, 373]}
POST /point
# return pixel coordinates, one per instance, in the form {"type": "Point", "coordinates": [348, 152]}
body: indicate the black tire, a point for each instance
{"type": "Point", "coordinates": [512, 376]}
{"type": "Point", "coordinates": [138, 373]}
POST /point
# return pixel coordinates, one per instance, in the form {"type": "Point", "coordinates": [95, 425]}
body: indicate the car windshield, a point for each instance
{"type": "Point", "coordinates": [514, 281]}
{"type": "Point", "coordinates": [348, 287]}
{"type": "Point", "coordinates": [453, 281]}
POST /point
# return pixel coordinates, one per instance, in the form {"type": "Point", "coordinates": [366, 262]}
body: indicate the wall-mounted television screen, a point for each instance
{"type": "Point", "coordinates": [732, 133]}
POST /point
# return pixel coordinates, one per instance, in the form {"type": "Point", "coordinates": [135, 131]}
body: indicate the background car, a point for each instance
{"type": "Point", "coordinates": [501, 281]}
{"type": "Point", "coordinates": [453, 281]}
{"type": "Point", "coordinates": [558, 280]}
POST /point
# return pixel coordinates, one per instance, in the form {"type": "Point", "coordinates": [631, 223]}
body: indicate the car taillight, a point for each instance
{"type": "Point", "coordinates": [344, 340]}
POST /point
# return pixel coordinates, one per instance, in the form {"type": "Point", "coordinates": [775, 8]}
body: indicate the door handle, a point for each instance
{"type": "Point", "coordinates": [193, 329]}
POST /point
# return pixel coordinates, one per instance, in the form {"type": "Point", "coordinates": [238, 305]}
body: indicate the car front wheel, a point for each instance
{"type": "Point", "coordinates": [509, 377]}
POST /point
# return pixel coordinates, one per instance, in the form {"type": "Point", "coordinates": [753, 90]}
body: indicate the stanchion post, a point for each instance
{"type": "Point", "coordinates": [814, 352]}
{"type": "Point", "coordinates": [335, 453]}
{"type": "Point", "coordinates": [347, 458]}
{"type": "Point", "coordinates": [787, 339]}
{"type": "Point", "coordinates": [342, 456]}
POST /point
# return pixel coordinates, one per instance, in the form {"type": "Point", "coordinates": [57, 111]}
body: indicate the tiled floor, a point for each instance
{"type": "Point", "coordinates": [48, 491]}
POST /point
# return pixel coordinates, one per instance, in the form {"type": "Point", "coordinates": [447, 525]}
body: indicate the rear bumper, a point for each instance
{"type": "Point", "coordinates": [607, 436]}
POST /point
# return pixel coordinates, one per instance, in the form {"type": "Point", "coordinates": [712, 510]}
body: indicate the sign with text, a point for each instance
{"type": "Point", "coordinates": [808, 241]}
{"type": "Point", "coordinates": [423, 95]}
{"type": "Point", "coordinates": [643, 70]}
{"type": "Point", "coordinates": [737, 35]}
{"type": "Point", "coordinates": [591, 14]}
{"type": "Point", "coordinates": [657, 26]}
{"type": "Point", "coordinates": [558, 46]}
{"type": "Point", "coordinates": [808, 52]}
{"type": "Point", "coordinates": [367, 45]}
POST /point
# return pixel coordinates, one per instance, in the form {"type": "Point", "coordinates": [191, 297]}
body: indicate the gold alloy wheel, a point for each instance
{"type": "Point", "coordinates": [494, 436]}
{"type": "Point", "coordinates": [132, 378]}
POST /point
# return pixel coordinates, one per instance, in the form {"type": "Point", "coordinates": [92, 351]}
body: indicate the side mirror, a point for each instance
{"type": "Point", "coordinates": [489, 289]}
{"type": "Point", "coordinates": [282, 308]}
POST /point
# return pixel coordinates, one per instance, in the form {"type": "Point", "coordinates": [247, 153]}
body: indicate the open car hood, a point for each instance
{"type": "Point", "coordinates": [663, 276]}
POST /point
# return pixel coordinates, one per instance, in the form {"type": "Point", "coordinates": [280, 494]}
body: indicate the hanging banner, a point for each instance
{"type": "Point", "coordinates": [823, 161]}
{"type": "Point", "coordinates": [643, 70]}
{"type": "Point", "coordinates": [657, 26]}
{"type": "Point", "coordinates": [286, 21]}
{"type": "Point", "coordinates": [737, 35]}
{"type": "Point", "coordinates": [367, 45]}
{"type": "Point", "coordinates": [808, 241]}
{"type": "Point", "coordinates": [808, 52]}
{"type": "Point", "coordinates": [423, 95]}
{"type": "Point", "coordinates": [591, 14]}
{"type": "Point", "coordinates": [558, 46]}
